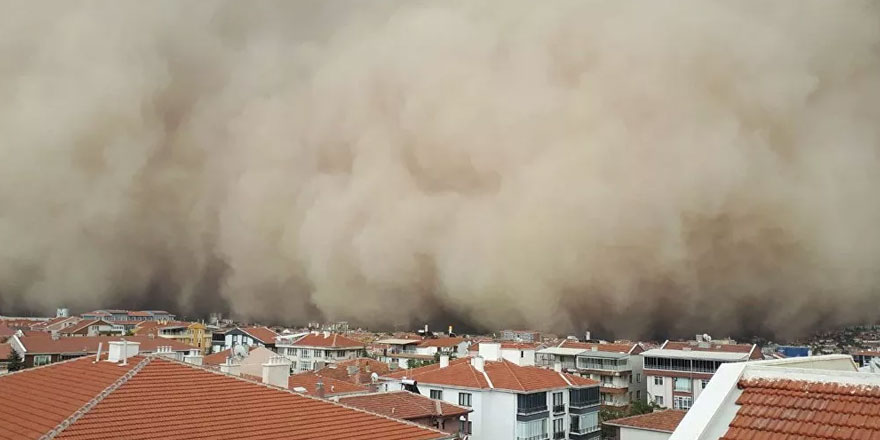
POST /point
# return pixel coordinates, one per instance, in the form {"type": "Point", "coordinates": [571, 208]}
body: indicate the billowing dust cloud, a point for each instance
{"type": "Point", "coordinates": [630, 167]}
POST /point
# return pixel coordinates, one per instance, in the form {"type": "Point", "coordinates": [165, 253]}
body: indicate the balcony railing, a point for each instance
{"type": "Point", "coordinates": [584, 429]}
{"type": "Point", "coordinates": [558, 409]}
{"type": "Point", "coordinates": [559, 435]}
{"type": "Point", "coordinates": [531, 410]}
{"type": "Point", "coordinates": [602, 364]}
{"type": "Point", "coordinates": [583, 404]}
{"type": "Point", "coordinates": [534, 437]}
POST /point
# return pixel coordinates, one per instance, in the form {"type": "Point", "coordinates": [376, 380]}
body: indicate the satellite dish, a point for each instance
{"type": "Point", "coordinates": [374, 377]}
{"type": "Point", "coordinates": [240, 351]}
{"type": "Point", "coordinates": [707, 338]}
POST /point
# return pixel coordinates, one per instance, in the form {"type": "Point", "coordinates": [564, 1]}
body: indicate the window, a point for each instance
{"type": "Point", "coordinates": [533, 430]}
{"type": "Point", "coordinates": [437, 394]}
{"type": "Point", "coordinates": [558, 428]}
{"type": "Point", "coordinates": [306, 353]}
{"type": "Point", "coordinates": [318, 353]}
{"type": "Point", "coordinates": [465, 427]}
{"type": "Point", "coordinates": [583, 397]}
{"type": "Point", "coordinates": [682, 384]}
{"type": "Point", "coordinates": [658, 380]}
{"type": "Point", "coordinates": [658, 400]}
{"type": "Point", "coordinates": [558, 403]}
{"type": "Point", "coordinates": [42, 359]}
{"type": "Point", "coordinates": [522, 354]}
{"type": "Point", "coordinates": [531, 403]}
{"type": "Point", "coordinates": [638, 395]}
{"type": "Point", "coordinates": [584, 423]}
{"type": "Point", "coordinates": [638, 378]}
{"type": "Point", "coordinates": [464, 399]}
{"type": "Point", "coordinates": [305, 366]}
{"type": "Point", "coordinates": [682, 402]}
{"type": "Point", "coordinates": [704, 383]}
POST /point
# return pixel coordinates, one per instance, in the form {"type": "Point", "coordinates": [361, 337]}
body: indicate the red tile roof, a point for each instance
{"type": "Point", "coordinates": [783, 409]}
{"type": "Point", "coordinates": [519, 346]}
{"type": "Point", "coordinates": [867, 353]}
{"type": "Point", "coordinates": [502, 374]}
{"type": "Point", "coordinates": [82, 325]}
{"type": "Point", "coordinates": [5, 351]}
{"type": "Point", "coordinates": [262, 334]}
{"type": "Point", "coordinates": [610, 348]}
{"type": "Point", "coordinates": [6, 331]}
{"type": "Point", "coordinates": [365, 369]}
{"type": "Point", "coordinates": [166, 399]}
{"type": "Point", "coordinates": [89, 344]}
{"type": "Point", "coordinates": [441, 342]}
{"type": "Point", "coordinates": [332, 341]}
{"type": "Point", "coordinates": [404, 405]}
{"type": "Point", "coordinates": [665, 421]}
{"type": "Point", "coordinates": [332, 387]}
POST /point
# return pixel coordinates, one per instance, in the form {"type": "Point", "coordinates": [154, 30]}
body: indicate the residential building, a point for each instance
{"type": "Point", "coordinates": [357, 371]}
{"type": "Point", "coordinates": [508, 401]}
{"type": "Point", "coordinates": [250, 364]}
{"type": "Point", "coordinates": [42, 349]}
{"type": "Point", "coordinates": [863, 358]}
{"type": "Point", "coordinates": [519, 336]}
{"type": "Point", "coordinates": [194, 334]}
{"type": "Point", "coordinates": [56, 324]}
{"type": "Point", "coordinates": [677, 372]}
{"type": "Point", "coordinates": [129, 315]}
{"type": "Point", "coordinates": [520, 353]}
{"type": "Point", "coordinates": [315, 350]}
{"type": "Point", "coordinates": [260, 336]}
{"type": "Point", "coordinates": [87, 327]}
{"type": "Point", "coordinates": [657, 425]}
{"type": "Point", "coordinates": [450, 346]}
{"type": "Point", "coordinates": [314, 384]}
{"type": "Point", "coordinates": [818, 397]}
{"type": "Point", "coordinates": [400, 353]}
{"type": "Point", "coordinates": [414, 408]}
{"type": "Point", "coordinates": [616, 366]}
{"type": "Point", "coordinates": [130, 396]}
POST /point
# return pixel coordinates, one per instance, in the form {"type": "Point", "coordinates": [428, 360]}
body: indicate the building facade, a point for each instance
{"type": "Point", "coordinates": [316, 350]}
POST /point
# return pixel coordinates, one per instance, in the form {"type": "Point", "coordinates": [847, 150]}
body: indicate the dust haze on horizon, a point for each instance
{"type": "Point", "coordinates": [629, 167]}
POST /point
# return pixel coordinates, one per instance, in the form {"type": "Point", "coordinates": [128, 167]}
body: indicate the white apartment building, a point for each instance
{"type": "Point", "coordinates": [508, 401]}
{"type": "Point", "coordinates": [315, 350]}
{"type": "Point", "coordinates": [616, 366]}
{"type": "Point", "coordinates": [678, 372]}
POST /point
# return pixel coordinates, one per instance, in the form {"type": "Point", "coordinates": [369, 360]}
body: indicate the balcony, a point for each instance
{"type": "Point", "coordinates": [598, 364]}
{"type": "Point", "coordinates": [525, 411]}
{"type": "Point", "coordinates": [557, 409]}
{"type": "Point", "coordinates": [558, 435]}
{"type": "Point", "coordinates": [534, 437]}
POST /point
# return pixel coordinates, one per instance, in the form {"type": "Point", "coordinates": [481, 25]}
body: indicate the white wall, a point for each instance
{"type": "Point", "coordinates": [520, 357]}
{"type": "Point", "coordinates": [664, 390]}
{"type": "Point", "coordinates": [641, 434]}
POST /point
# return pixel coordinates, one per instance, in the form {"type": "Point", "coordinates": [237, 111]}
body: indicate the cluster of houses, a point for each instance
{"type": "Point", "coordinates": [517, 385]}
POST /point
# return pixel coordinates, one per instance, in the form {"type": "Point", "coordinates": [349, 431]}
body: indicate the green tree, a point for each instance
{"type": "Point", "coordinates": [14, 362]}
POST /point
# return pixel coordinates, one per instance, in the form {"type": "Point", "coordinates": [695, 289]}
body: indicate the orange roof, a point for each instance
{"type": "Point", "coordinates": [219, 357]}
{"type": "Point", "coordinates": [6, 331]}
{"type": "Point", "coordinates": [781, 409]}
{"type": "Point", "coordinates": [665, 421]}
{"type": "Point", "coordinates": [5, 351]}
{"type": "Point", "coordinates": [157, 402]}
{"type": "Point", "coordinates": [441, 342]}
{"type": "Point", "coordinates": [82, 325]}
{"type": "Point", "coordinates": [724, 348]}
{"type": "Point", "coordinates": [610, 348]}
{"type": "Point", "coordinates": [365, 368]}
{"type": "Point", "coordinates": [262, 334]}
{"type": "Point", "coordinates": [867, 353]}
{"type": "Point", "coordinates": [518, 346]}
{"type": "Point", "coordinates": [332, 341]}
{"type": "Point", "coordinates": [503, 375]}
{"type": "Point", "coordinates": [404, 405]}
{"type": "Point", "coordinates": [89, 344]}
{"type": "Point", "coordinates": [332, 387]}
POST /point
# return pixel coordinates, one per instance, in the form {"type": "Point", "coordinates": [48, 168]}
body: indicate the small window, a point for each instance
{"type": "Point", "coordinates": [638, 395]}
{"type": "Point", "coordinates": [522, 354]}
{"type": "Point", "coordinates": [658, 400]}
{"type": "Point", "coordinates": [437, 394]}
{"type": "Point", "coordinates": [42, 359]}
{"type": "Point", "coordinates": [682, 402]}
{"type": "Point", "coordinates": [558, 426]}
{"type": "Point", "coordinates": [704, 383]}
{"type": "Point", "coordinates": [682, 384]}
{"type": "Point", "coordinates": [464, 399]}
{"type": "Point", "coordinates": [658, 380]}
{"type": "Point", "coordinates": [465, 427]}
{"type": "Point", "coordinates": [638, 378]}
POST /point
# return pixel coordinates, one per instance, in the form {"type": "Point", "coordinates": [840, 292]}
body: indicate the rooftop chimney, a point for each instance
{"type": "Point", "coordinates": [231, 367]}
{"type": "Point", "coordinates": [122, 350]}
{"type": "Point", "coordinates": [557, 367]}
{"type": "Point", "coordinates": [444, 361]}
{"type": "Point", "coordinates": [479, 363]}
{"type": "Point", "coordinates": [326, 334]}
{"type": "Point", "coordinates": [587, 336]}
{"type": "Point", "coordinates": [276, 371]}
{"type": "Point", "coordinates": [55, 335]}
{"type": "Point", "coordinates": [319, 389]}
{"type": "Point", "coordinates": [194, 357]}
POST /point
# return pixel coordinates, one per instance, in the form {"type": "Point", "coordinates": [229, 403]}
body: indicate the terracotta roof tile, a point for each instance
{"type": "Point", "coordinates": [332, 387]}
{"type": "Point", "coordinates": [89, 344]}
{"type": "Point", "coordinates": [665, 421]}
{"type": "Point", "coordinates": [5, 351]}
{"type": "Point", "coordinates": [783, 409]}
{"type": "Point", "coordinates": [362, 375]}
{"type": "Point", "coordinates": [404, 405]}
{"type": "Point", "coordinates": [441, 342]}
{"type": "Point", "coordinates": [610, 348]}
{"type": "Point", "coordinates": [6, 331]}
{"type": "Point", "coordinates": [334, 340]}
{"type": "Point", "coordinates": [167, 399]}
{"type": "Point", "coordinates": [81, 325]}
{"type": "Point", "coordinates": [262, 334]}
{"type": "Point", "coordinates": [215, 359]}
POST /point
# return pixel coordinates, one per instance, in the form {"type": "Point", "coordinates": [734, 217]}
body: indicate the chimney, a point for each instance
{"type": "Point", "coordinates": [557, 367]}
{"type": "Point", "coordinates": [479, 363]}
{"type": "Point", "coordinates": [326, 334]}
{"type": "Point", "coordinates": [55, 335]}
{"type": "Point", "coordinates": [450, 330]}
{"type": "Point", "coordinates": [587, 335]}
{"type": "Point", "coordinates": [231, 367]}
{"type": "Point", "coordinates": [276, 372]}
{"type": "Point", "coordinates": [444, 361]}
{"type": "Point", "coordinates": [319, 389]}
{"type": "Point", "coordinates": [122, 350]}
{"type": "Point", "coordinates": [194, 357]}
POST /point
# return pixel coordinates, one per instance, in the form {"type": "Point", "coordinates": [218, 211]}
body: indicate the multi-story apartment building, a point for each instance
{"type": "Point", "coordinates": [399, 353]}
{"type": "Point", "coordinates": [508, 401]}
{"type": "Point", "coordinates": [616, 366]}
{"type": "Point", "coordinates": [129, 315]}
{"type": "Point", "coordinates": [314, 351]}
{"type": "Point", "coordinates": [249, 336]}
{"type": "Point", "coordinates": [678, 372]}
{"type": "Point", "coordinates": [519, 336]}
{"type": "Point", "coordinates": [195, 334]}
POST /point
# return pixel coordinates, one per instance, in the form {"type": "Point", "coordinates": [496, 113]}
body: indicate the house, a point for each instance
{"type": "Point", "coordinates": [414, 408]}
{"type": "Point", "coordinates": [43, 349]}
{"type": "Point", "coordinates": [677, 372]}
{"type": "Point", "coordinates": [194, 334]}
{"type": "Point", "coordinates": [863, 358]}
{"type": "Point", "coordinates": [520, 353]}
{"type": "Point", "coordinates": [261, 336]}
{"type": "Point", "coordinates": [657, 425]}
{"type": "Point", "coordinates": [616, 366]}
{"type": "Point", "coordinates": [250, 364]}
{"type": "Point", "coordinates": [126, 315]}
{"type": "Point", "coordinates": [818, 397]}
{"type": "Point", "coordinates": [399, 353]}
{"type": "Point", "coordinates": [87, 327]}
{"type": "Point", "coordinates": [127, 395]}
{"type": "Point", "coordinates": [315, 350]}
{"type": "Point", "coordinates": [519, 336]}
{"type": "Point", "coordinates": [508, 401]}
{"type": "Point", "coordinates": [358, 371]}
{"type": "Point", "coordinates": [323, 387]}
{"type": "Point", "coordinates": [447, 345]}
{"type": "Point", "coordinates": [56, 324]}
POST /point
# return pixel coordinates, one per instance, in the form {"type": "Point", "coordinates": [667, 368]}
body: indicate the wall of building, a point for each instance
{"type": "Point", "coordinates": [520, 357]}
{"type": "Point", "coordinates": [641, 434]}
{"type": "Point", "coordinates": [664, 390]}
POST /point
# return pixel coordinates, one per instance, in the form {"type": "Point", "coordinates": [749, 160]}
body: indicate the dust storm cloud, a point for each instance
{"type": "Point", "coordinates": [634, 167]}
